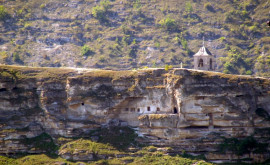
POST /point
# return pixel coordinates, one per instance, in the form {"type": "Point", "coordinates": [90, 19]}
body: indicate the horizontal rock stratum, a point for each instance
{"type": "Point", "coordinates": [187, 110]}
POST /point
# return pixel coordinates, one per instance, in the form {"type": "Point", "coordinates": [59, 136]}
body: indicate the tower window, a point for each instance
{"type": "Point", "coordinates": [158, 109]}
{"type": "Point", "coordinates": [211, 63]}
{"type": "Point", "coordinates": [138, 110]}
{"type": "Point", "coordinates": [148, 108]}
{"type": "Point", "coordinates": [200, 63]}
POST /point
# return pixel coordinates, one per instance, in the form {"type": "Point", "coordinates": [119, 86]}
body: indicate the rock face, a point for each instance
{"type": "Point", "coordinates": [187, 110]}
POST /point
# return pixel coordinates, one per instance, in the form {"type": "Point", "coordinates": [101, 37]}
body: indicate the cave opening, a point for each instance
{"type": "Point", "coordinates": [3, 89]}
{"type": "Point", "coordinates": [175, 111]}
{"type": "Point", "coordinates": [15, 88]}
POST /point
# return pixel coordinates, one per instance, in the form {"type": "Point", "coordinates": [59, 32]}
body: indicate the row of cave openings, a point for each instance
{"type": "Point", "coordinates": [175, 111]}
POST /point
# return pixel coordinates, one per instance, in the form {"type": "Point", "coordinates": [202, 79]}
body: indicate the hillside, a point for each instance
{"type": "Point", "coordinates": [127, 34]}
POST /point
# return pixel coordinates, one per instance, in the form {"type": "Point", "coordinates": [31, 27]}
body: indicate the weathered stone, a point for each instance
{"type": "Point", "coordinates": [182, 109]}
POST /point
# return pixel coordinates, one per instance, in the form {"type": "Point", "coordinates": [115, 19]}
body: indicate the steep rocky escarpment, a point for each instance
{"type": "Point", "coordinates": [190, 111]}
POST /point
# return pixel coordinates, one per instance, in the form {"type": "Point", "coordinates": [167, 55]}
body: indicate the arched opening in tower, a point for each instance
{"type": "Point", "coordinates": [175, 111]}
{"type": "Point", "coordinates": [200, 63]}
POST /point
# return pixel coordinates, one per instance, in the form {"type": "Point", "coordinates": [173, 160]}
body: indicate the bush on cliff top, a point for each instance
{"type": "Point", "coordinates": [88, 146]}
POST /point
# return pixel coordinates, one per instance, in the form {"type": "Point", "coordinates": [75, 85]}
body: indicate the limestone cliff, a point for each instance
{"type": "Point", "coordinates": [187, 110]}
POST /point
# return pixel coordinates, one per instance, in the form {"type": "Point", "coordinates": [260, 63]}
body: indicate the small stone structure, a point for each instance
{"type": "Point", "coordinates": [204, 60]}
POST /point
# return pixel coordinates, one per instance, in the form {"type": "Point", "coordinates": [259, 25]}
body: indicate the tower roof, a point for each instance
{"type": "Point", "coordinates": [203, 52]}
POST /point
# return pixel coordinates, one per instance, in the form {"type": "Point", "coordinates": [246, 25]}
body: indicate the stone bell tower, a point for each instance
{"type": "Point", "coordinates": [204, 60]}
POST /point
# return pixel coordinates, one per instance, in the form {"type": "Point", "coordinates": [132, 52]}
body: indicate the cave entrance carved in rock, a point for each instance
{"type": "Point", "coordinates": [175, 111]}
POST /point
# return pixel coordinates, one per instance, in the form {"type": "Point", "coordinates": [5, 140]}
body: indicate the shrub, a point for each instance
{"type": "Point", "coordinates": [137, 4]}
{"type": "Point", "coordinates": [3, 13]}
{"type": "Point", "coordinates": [99, 12]}
{"type": "Point", "coordinates": [43, 142]}
{"type": "Point", "coordinates": [16, 57]}
{"type": "Point", "coordinates": [168, 24]}
{"type": "Point", "coordinates": [188, 8]}
{"type": "Point", "coordinates": [4, 56]}
{"type": "Point", "coordinates": [102, 58]}
{"type": "Point", "coordinates": [106, 5]}
{"type": "Point", "coordinates": [42, 6]}
{"type": "Point", "coordinates": [242, 146]}
{"type": "Point", "coordinates": [86, 51]}
{"type": "Point", "coordinates": [209, 7]}
{"type": "Point", "coordinates": [168, 67]}
{"type": "Point", "coordinates": [248, 72]}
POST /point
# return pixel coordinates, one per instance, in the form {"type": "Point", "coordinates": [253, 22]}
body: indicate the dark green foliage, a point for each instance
{"type": "Point", "coordinates": [236, 63]}
{"type": "Point", "coordinates": [3, 13]}
{"type": "Point", "coordinates": [242, 146]}
{"type": "Point", "coordinates": [87, 51]}
{"type": "Point", "coordinates": [199, 157]}
{"type": "Point", "coordinates": [119, 137]}
{"type": "Point", "coordinates": [235, 15]}
{"type": "Point", "coordinates": [100, 12]}
{"type": "Point", "coordinates": [209, 7]}
{"type": "Point", "coordinates": [16, 57]}
{"type": "Point", "coordinates": [169, 24]}
{"type": "Point", "coordinates": [43, 142]}
{"type": "Point", "coordinates": [263, 65]}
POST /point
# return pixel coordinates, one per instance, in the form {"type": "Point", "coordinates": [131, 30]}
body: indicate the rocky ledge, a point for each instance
{"type": "Point", "coordinates": [223, 117]}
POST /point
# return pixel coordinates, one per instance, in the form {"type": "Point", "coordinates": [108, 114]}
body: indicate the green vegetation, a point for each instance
{"type": "Point", "coordinates": [113, 142]}
{"type": "Point", "coordinates": [100, 12]}
{"type": "Point", "coordinates": [119, 137]}
{"type": "Point", "coordinates": [209, 7]}
{"type": "Point", "coordinates": [168, 67]}
{"type": "Point", "coordinates": [168, 24]}
{"type": "Point", "coordinates": [236, 63]}
{"type": "Point", "coordinates": [247, 145]}
{"type": "Point", "coordinates": [89, 147]}
{"type": "Point", "coordinates": [3, 13]}
{"type": "Point", "coordinates": [262, 65]}
{"type": "Point", "coordinates": [87, 51]}
{"type": "Point", "coordinates": [42, 142]}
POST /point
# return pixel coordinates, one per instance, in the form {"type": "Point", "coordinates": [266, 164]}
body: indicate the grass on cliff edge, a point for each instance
{"type": "Point", "coordinates": [154, 158]}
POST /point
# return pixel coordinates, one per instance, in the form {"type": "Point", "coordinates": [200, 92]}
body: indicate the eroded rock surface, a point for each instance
{"type": "Point", "coordinates": [187, 110]}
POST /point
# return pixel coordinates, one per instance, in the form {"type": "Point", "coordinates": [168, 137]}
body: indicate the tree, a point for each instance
{"type": "Point", "coordinates": [188, 8]}
{"type": "Point", "coordinates": [86, 51]}
{"type": "Point", "coordinates": [168, 24]}
{"type": "Point", "coordinates": [262, 65]}
{"type": "Point", "coordinates": [99, 12]}
{"type": "Point", "coordinates": [236, 63]}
